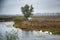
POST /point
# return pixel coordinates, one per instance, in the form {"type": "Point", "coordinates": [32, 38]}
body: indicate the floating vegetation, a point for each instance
{"type": "Point", "coordinates": [12, 35]}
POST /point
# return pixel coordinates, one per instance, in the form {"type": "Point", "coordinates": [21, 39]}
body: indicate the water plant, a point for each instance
{"type": "Point", "coordinates": [12, 35]}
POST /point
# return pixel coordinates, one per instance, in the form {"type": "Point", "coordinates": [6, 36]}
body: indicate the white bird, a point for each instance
{"type": "Point", "coordinates": [35, 32]}
{"type": "Point", "coordinates": [46, 32]}
{"type": "Point", "coordinates": [40, 31]}
{"type": "Point", "coordinates": [50, 33]}
{"type": "Point", "coordinates": [29, 18]}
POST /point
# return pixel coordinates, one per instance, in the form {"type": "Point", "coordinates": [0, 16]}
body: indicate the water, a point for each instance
{"type": "Point", "coordinates": [7, 31]}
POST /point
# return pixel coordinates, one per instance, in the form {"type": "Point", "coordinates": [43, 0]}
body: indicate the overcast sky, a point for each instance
{"type": "Point", "coordinates": [12, 7]}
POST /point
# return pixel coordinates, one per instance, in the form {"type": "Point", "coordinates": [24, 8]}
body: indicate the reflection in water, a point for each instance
{"type": "Point", "coordinates": [24, 35]}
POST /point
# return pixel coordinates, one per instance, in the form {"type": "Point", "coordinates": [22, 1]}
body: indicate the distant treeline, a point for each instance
{"type": "Point", "coordinates": [6, 18]}
{"type": "Point", "coordinates": [47, 14]}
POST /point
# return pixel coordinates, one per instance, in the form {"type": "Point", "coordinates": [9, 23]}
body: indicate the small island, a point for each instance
{"type": "Point", "coordinates": [45, 23]}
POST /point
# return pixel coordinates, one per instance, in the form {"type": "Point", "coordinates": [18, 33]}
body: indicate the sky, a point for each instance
{"type": "Point", "coordinates": [13, 7]}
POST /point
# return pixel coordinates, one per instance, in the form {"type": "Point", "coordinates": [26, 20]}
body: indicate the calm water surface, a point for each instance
{"type": "Point", "coordinates": [25, 35]}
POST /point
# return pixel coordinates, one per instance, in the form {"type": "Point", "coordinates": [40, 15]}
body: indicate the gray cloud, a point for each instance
{"type": "Point", "coordinates": [12, 7]}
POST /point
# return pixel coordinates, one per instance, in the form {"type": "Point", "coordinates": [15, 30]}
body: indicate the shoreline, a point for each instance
{"type": "Point", "coordinates": [45, 23]}
{"type": "Point", "coordinates": [47, 26]}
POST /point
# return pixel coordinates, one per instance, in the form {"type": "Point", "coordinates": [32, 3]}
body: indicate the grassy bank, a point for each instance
{"type": "Point", "coordinates": [47, 23]}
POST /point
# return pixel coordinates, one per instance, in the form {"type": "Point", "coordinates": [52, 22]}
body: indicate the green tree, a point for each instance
{"type": "Point", "coordinates": [27, 11]}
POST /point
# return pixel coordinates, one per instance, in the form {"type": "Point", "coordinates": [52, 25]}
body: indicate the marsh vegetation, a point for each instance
{"type": "Point", "coordinates": [47, 23]}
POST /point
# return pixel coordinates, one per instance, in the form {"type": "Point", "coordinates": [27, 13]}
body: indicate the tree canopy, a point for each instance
{"type": "Point", "coordinates": [27, 11]}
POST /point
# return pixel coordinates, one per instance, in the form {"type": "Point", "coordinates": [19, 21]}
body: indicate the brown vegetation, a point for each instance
{"type": "Point", "coordinates": [6, 18]}
{"type": "Point", "coordinates": [50, 23]}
